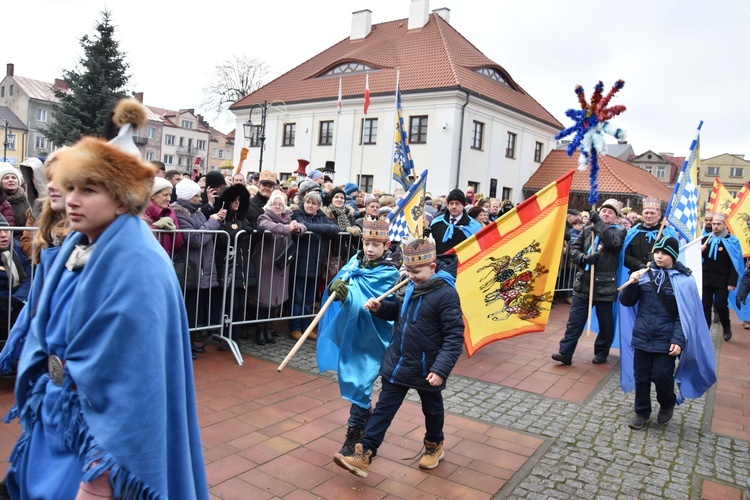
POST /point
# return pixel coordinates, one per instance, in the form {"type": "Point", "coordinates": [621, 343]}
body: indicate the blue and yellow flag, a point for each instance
{"type": "Point", "coordinates": [682, 211]}
{"type": "Point", "coordinates": [407, 220]}
{"type": "Point", "coordinates": [402, 162]}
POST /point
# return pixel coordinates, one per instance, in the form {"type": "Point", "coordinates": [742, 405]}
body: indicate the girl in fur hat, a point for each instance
{"type": "Point", "coordinates": [104, 389]}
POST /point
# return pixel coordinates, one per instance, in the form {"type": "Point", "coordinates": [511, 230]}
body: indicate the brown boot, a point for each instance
{"type": "Point", "coordinates": [357, 463]}
{"type": "Point", "coordinates": [432, 455]}
{"type": "Point", "coordinates": [295, 334]}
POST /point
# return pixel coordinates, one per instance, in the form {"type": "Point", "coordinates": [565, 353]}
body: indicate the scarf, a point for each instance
{"type": "Point", "coordinates": [10, 268]}
{"type": "Point", "coordinates": [17, 196]}
{"type": "Point", "coordinates": [713, 244]}
{"type": "Point", "coordinates": [341, 217]}
{"type": "Point", "coordinates": [468, 230]}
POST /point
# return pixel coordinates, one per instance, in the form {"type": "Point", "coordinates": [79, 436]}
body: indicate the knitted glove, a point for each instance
{"type": "Point", "coordinates": [354, 231]}
{"type": "Point", "coordinates": [340, 289]}
{"type": "Point", "coordinates": [594, 217]}
{"type": "Point", "coordinates": [739, 302]}
{"type": "Point", "coordinates": [589, 258]}
{"type": "Point", "coordinates": [165, 223]}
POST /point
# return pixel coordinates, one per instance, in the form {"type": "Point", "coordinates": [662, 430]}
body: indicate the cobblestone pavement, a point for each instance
{"type": "Point", "coordinates": [589, 451]}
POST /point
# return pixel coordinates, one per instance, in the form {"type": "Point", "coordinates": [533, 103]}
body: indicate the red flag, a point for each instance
{"type": "Point", "coordinates": [340, 102]}
{"type": "Point", "coordinates": [367, 92]}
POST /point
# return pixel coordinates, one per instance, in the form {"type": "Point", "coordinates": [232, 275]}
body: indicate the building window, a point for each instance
{"type": "Point", "coordinates": [369, 131]}
{"type": "Point", "coordinates": [149, 156]}
{"type": "Point", "coordinates": [200, 144]}
{"type": "Point", "coordinates": [169, 159]}
{"type": "Point", "coordinates": [179, 161]}
{"type": "Point", "coordinates": [510, 149]}
{"type": "Point", "coordinates": [365, 183]}
{"type": "Point", "coordinates": [11, 90]}
{"type": "Point", "coordinates": [12, 141]}
{"type": "Point", "coordinates": [169, 140]}
{"type": "Point", "coordinates": [182, 141]}
{"type": "Point", "coordinates": [493, 74]}
{"type": "Point", "coordinates": [661, 172]}
{"type": "Point", "coordinates": [41, 115]}
{"type": "Point", "coordinates": [735, 172]}
{"type": "Point", "coordinates": [213, 152]}
{"type": "Point", "coordinates": [255, 137]}
{"type": "Point", "coordinates": [325, 134]}
{"type": "Point", "coordinates": [221, 154]}
{"type": "Point", "coordinates": [348, 68]}
{"type": "Point", "coordinates": [289, 132]}
{"type": "Point", "coordinates": [649, 169]}
{"type": "Point", "coordinates": [2, 91]}
{"type": "Point", "coordinates": [284, 176]}
{"type": "Point", "coordinates": [186, 124]}
{"type": "Point", "coordinates": [39, 141]}
{"type": "Point", "coordinates": [712, 171]}
{"type": "Point", "coordinates": [418, 130]}
{"type": "Point", "coordinates": [477, 134]}
{"type": "Point", "coordinates": [474, 186]}
{"type": "Point", "coordinates": [538, 148]}
{"type": "Point", "coordinates": [507, 193]}
{"type": "Point", "coordinates": [151, 132]}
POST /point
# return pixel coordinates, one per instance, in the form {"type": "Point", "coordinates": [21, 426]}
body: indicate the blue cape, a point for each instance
{"type": "Point", "coordinates": [128, 399]}
{"type": "Point", "coordinates": [696, 370]}
{"type": "Point", "coordinates": [351, 340]}
{"type": "Point", "coordinates": [469, 230]}
{"type": "Point", "coordinates": [732, 244]}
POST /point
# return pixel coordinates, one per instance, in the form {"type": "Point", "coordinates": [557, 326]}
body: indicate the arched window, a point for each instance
{"type": "Point", "coordinates": [348, 68]}
{"type": "Point", "coordinates": [494, 74]}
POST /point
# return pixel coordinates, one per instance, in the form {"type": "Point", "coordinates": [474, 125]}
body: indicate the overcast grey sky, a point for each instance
{"type": "Point", "coordinates": [682, 60]}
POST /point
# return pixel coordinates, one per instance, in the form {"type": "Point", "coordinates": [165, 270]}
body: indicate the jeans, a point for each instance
{"type": "Point", "coordinates": [577, 322]}
{"type": "Point", "coordinates": [304, 297]}
{"type": "Point", "coordinates": [390, 401]}
{"type": "Point", "coordinates": [656, 367]}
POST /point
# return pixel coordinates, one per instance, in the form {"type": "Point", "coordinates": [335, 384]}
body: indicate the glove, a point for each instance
{"type": "Point", "coordinates": [165, 223]}
{"type": "Point", "coordinates": [739, 302]}
{"type": "Point", "coordinates": [354, 231]}
{"type": "Point", "coordinates": [340, 289]}
{"type": "Point", "coordinates": [594, 217]}
{"type": "Point", "coordinates": [589, 258]}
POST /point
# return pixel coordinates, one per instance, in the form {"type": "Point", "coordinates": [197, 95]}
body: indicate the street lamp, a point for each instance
{"type": "Point", "coordinates": [248, 128]}
{"type": "Point", "coordinates": [6, 144]}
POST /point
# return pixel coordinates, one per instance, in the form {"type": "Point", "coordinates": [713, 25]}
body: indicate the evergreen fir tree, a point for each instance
{"type": "Point", "coordinates": [95, 86]}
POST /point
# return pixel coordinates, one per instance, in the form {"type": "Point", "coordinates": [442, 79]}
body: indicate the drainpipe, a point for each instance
{"type": "Point", "coordinates": [461, 138]}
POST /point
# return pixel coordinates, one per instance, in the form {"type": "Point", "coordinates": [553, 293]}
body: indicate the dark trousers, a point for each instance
{"type": "Point", "coordinates": [358, 416]}
{"type": "Point", "coordinates": [204, 307]}
{"type": "Point", "coordinates": [718, 298]}
{"type": "Point", "coordinates": [303, 298]}
{"type": "Point", "coordinates": [390, 401]}
{"type": "Point", "coordinates": [656, 367]}
{"type": "Point", "coordinates": [577, 322]}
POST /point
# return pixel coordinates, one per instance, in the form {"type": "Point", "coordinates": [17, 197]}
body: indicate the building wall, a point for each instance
{"type": "Point", "coordinates": [220, 149]}
{"type": "Point", "coordinates": [184, 156]}
{"type": "Point", "coordinates": [38, 144]}
{"type": "Point", "coordinates": [149, 143]}
{"type": "Point", "coordinates": [17, 154]}
{"type": "Point", "coordinates": [725, 163]}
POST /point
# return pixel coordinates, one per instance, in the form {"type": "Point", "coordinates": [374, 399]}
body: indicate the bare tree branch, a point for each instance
{"type": "Point", "coordinates": [233, 79]}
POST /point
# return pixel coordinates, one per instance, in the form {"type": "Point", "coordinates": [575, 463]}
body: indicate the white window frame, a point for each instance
{"type": "Point", "coordinates": [186, 124]}
{"type": "Point", "coordinates": [661, 172]}
{"type": "Point", "coordinates": [151, 132]}
{"type": "Point", "coordinates": [735, 171]}
{"type": "Point", "coordinates": [149, 155]}
{"type": "Point", "coordinates": [713, 171]}
{"type": "Point", "coordinates": [168, 159]}
{"type": "Point", "coordinates": [200, 144]}
{"type": "Point", "coordinates": [213, 152]}
{"type": "Point", "coordinates": [41, 115]}
{"type": "Point", "coordinates": [221, 154]}
{"type": "Point", "coordinates": [169, 140]}
{"type": "Point", "coordinates": [40, 142]}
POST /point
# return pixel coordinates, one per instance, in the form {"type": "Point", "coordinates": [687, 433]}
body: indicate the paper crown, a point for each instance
{"type": "Point", "coordinates": [375, 229]}
{"type": "Point", "coordinates": [267, 176]}
{"type": "Point", "coordinates": [651, 202]}
{"type": "Point", "coordinates": [419, 252]}
{"type": "Point", "coordinates": [720, 217]}
{"type": "Point", "coordinates": [709, 215]}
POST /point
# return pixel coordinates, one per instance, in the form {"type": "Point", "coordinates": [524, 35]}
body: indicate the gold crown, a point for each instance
{"type": "Point", "coordinates": [375, 229]}
{"type": "Point", "coordinates": [650, 202]}
{"type": "Point", "coordinates": [419, 252]}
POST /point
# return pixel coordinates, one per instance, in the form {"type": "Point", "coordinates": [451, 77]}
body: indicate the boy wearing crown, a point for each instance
{"type": "Point", "coordinates": [427, 341]}
{"type": "Point", "coordinates": [350, 340]}
{"type": "Point", "coordinates": [640, 240]}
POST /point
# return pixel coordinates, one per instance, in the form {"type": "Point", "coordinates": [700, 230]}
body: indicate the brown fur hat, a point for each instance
{"type": "Point", "coordinates": [125, 176]}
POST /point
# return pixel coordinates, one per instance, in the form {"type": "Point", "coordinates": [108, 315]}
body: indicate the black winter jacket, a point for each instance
{"type": "Point", "coordinates": [312, 247]}
{"type": "Point", "coordinates": [654, 329]}
{"type": "Point", "coordinates": [608, 248]}
{"type": "Point", "coordinates": [428, 337]}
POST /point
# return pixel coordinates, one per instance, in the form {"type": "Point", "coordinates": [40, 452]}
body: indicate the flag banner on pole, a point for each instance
{"type": "Point", "coordinates": [682, 211]}
{"type": "Point", "coordinates": [720, 200]}
{"type": "Point", "coordinates": [507, 271]}
{"type": "Point", "coordinates": [340, 102]}
{"type": "Point", "coordinates": [407, 219]}
{"type": "Point", "coordinates": [367, 92]}
{"type": "Point", "coordinates": [402, 162]}
{"type": "Point", "coordinates": [738, 220]}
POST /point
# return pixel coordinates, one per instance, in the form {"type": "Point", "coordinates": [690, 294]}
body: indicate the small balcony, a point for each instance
{"type": "Point", "coordinates": [140, 141]}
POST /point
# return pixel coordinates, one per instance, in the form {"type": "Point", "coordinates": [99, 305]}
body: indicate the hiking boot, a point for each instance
{"type": "Point", "coordinates": [727, 334]}
{"type": "Point", "coordinates": [638, 422]}
{"type": "Point", "coordinates": [599, 360]}
{"type": "Point", "coordinates": [353, 435]}
{"type": "Point", "coordinates": [432, 455]}
{"type": "Point", "coordinates": [566, 360]}
{"type": "Point", "coordinates": [356, 463]}
{"type": "Point", "coordinates": [295, 334]}
{"type": "Point", "coordinates": [313, 335]}
{"type": "Point", "coordinates": [665, 415]}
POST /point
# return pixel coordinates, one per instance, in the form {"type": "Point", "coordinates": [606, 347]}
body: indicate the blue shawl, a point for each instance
{"type": "Point", "coordinates": [128, 399]}
{"type": "Point", "coordinates": [469, 230]}
{"type": "Point", "coordinates": [351, 340]}
{"type": "Point", "coordinates": [734, 248]}
{"type": "Point", "coordinates": [696, 370]}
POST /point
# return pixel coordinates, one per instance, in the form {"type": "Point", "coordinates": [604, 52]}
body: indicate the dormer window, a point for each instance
{"type": "Point", "coordinates": [494, 74]}
{"type": "Point", "coordinates": [349, 68]}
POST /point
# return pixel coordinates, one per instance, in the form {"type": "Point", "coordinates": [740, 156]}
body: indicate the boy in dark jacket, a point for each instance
{"type": "Point", "coordinates": [657, 334]}
{"type": "Point", "coordinates": [427, 342]}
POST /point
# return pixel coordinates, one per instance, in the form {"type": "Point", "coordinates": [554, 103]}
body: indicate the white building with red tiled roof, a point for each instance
{"type": "Point", "coordinates": [184, 139]}
{"type": "Point", "coordinates": [470, 122]}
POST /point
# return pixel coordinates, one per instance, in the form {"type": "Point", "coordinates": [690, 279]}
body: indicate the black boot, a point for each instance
{"type": "Point", "coordinates": [353, 435]}
{"type": "Point", "coordinates": [260, 338]}
{"type": "Point", "coordinates": [268, 334]}
{"type": "Point", "coordinates": [727, 333]}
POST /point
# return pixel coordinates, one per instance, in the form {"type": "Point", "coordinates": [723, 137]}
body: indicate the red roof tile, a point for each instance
{"type": "Point", "coordinates": [435, 57]}
{"type": "Point", "coordinates": [616, 177]}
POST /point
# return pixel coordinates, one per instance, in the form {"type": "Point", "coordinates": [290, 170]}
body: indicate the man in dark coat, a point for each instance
{"type": "Point", "coordinates": [642, 237]}
{"type": "Point", "coordinates": [454, 226]}
{"type": "Point", "coordinates": [215, 184]}
{"type": "Point", "coordinates": [601, 258]}
{"type": "Point", "coordinates": [719, 272]}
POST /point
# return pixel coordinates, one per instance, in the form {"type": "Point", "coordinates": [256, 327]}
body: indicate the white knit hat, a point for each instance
{"type": "Point", "coordinates": [186, 189]}
{"type": "Point", "coordinates": [159, 184]}
{"type": "Point", "coordinates": [7, 168]}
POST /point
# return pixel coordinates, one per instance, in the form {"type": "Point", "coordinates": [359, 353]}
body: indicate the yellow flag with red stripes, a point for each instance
{"type": "Point", "coordinates": [507, 271]}
{"type": "Point", "coordinates": [720, 199]}
{"type": "Point", "coordinates": [738, 220]}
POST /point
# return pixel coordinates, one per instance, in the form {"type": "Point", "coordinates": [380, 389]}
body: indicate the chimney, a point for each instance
{"type": "Point", "coordinates": [445, 13]}
{"type": "Point", "coordinates": [9, 69]}
{"type": "Point", "coordinates": [60, 84]}
{"type": "Point", "coordinates": [361, 24]}
{"type": "Point", "coordinates": [138, 96]}
{"type": "Point", "coordinates": [419, 14]}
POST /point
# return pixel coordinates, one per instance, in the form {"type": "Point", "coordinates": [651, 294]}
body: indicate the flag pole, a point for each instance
{"type": "Point", "coordinates": [339, 105]}
{"type": "Point", "coordinates": [362, 130]}
{"type": "Point", "coordinates": [395, 102]}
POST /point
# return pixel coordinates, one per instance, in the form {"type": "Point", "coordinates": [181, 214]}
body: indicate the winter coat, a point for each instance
{"type": "Point", "coordinates": [744, 286]}
{"type": "Point", "coordinates": [344, 245]}
{"type": "Point", "coordinates": [7, 210]}
{"type": "Point", "coordinates": [20, 290]}
{"type": "Point", "coordinates": [655, 329]}
{"type": "Point", "coordinates": [236, 223]}
{"type": "Point", "coordinates": [427, 337]}
{"type": "Point", "coordinates": [273, 283]}
{"type": "Point", "coordinates": [439, 227]}
{"type": "Point", "coordinates": [312, 247]}
{"type": "Point", "coordinates": [19, 204]}
{"type": "Point", "coordinates": [256, 209]}
{"type": "Point", "coordinates": [609, 243]}
{"type": "Point", "coordinates": [171, 242]}
{"type": "Point", "coordinates": [199, 246]}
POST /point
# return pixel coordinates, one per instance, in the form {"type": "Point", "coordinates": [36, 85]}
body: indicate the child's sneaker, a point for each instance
{"type": "Point", "coordinates": [356, 463]}
{"type": "Point", "coordinates": [638, 422]}
{"type": "Point", "coordinates": [665, 415]}
{"type": "Point", "coordinates": [432, 455]}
